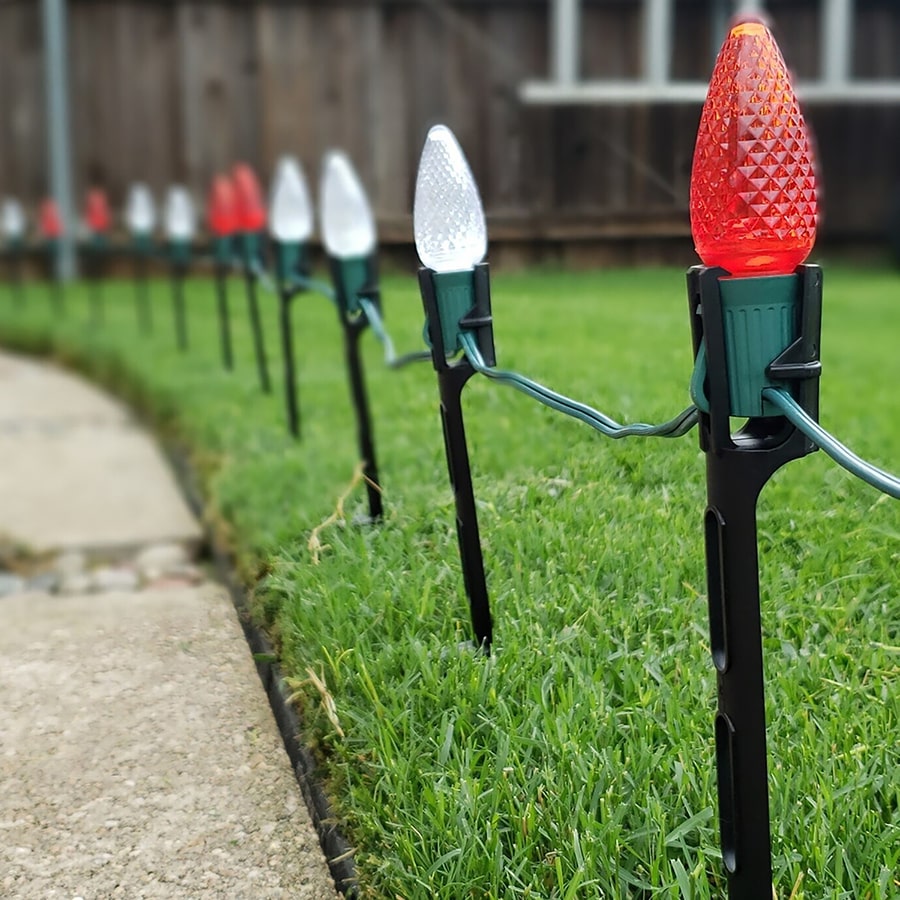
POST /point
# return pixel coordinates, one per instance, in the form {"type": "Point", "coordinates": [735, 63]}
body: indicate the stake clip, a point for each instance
{"type": "Point", "coordinates": [464, 305]}
{"type": "Point", "coordinates": [728, 382]}
{"type": "Point", "coordinates": [353, 278]}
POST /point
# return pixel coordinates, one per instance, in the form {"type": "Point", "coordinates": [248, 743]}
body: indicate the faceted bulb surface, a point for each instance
{"type": "Point", "coordinates": [348, 227]}
{"type": "Point", "coordinates": [181, 220]}
{"type": "Point", "coordinates": [753, 185]}
{"type": "Point", "coordinates": [448, 219]}
{"type": "Point", "coordinates": [251, 213]}
{"type": "Point", "coordinates": [140, 211]}
{"type": "Point", "coordinates": [290, 208]}
{"type": "Point", "coordinates": [97, 217]}
{"type": "Point", "coordinates": [49, 220]}
{"type": "Point", "coordinates": [221, 212]}
{"type": "Point", "coordinates": [12, 219]}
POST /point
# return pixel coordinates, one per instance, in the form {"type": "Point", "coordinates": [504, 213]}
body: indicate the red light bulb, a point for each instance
{"type": "Point", "coordinates": [251, 210]}
{"type": "Point", "coordinates": [97, 216]}
{"type": "Point", "coordinates": [49, 220]}
{"type": "Point", "coordinates": [221, 210]}
{"type": "Point", "coordinates": [753, 186]}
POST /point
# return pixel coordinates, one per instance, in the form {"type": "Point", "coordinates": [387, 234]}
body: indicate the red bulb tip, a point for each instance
{"type": "Point", "coordinates": [222, 208]}
{"type": "Point", "coordinates": [49, 220]}
{"type": "Point", "coordinates": [753, 191]}
{"type": "Point", "coordinates": [251, 210]}
{"type": "Point", "coordinates": [97, 216]}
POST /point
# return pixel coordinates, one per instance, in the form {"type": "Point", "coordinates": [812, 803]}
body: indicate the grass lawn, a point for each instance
{"type": "Point", "coordinates": [578, 760]}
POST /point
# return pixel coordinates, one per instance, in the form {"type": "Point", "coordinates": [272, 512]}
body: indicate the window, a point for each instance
{"type": "Point", "coordinates": [652, 51]}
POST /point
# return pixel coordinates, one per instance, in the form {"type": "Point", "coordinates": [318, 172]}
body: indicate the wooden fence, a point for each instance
{"type": "Point", "coordinates": [166, 91]}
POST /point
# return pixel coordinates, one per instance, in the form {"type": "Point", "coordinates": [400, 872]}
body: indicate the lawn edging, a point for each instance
{"type": "Point", "coordinates": [338, 851]}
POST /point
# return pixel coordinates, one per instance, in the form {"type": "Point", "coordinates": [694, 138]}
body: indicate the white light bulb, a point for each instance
{"type": "Point", "coordinates": [448, 219]}
{"type": "Point", "coordinates": [348, 227]}
{"type": "Point", "coordinates": [12, 217]}
{"type": "Point", "coordinates": [140, 211]}
{"type": "Point", "coordinates": [290, 209]}
{"type": "Point", "coordinates": [181, 220]}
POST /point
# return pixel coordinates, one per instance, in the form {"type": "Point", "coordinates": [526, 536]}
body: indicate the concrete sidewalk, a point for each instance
{"type": "Point", "coordinates": [138, 754]}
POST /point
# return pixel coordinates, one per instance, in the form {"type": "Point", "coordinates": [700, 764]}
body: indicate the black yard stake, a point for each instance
{"type": "Point", "coordinates": [97, 218]}
{"type": "Point", "coordinates": [290, 378]}
{"type": "Point", "coordinates": [55, 282]}
{"type": "Point", "coordinates": [222, 263]}
{"type": "Point", "coordinates": [353, 330]}
{"type": "Point", "coordinates": [250, 218]}
{"type": "Point", "coordinates": [452, 378]}
{"type": "Point", "coordinates": [738, 467]}
{"type": "Point", "coordinates": [259, 345]}
{"type": "Point", "coordinates": [290, 262]}
{"type": "Point", "coordinates": [13, 228]}
{"type": "Point", "coordinates": [17, 284]}
{"type": "Point", "coordinates": [224, 321]}
{"type": "Point", "coordinates": [58, 295]}
{"type": "Point", "coordinates": [51, 229]}
{"type": "Point", "coordinates": [353, 278]}
{"type": "Point", "coordinates": [179, 270]}
{"type": "Point", "coordinates": [141, 287]}
{"type": "Point", "coordinates": [290, 224]}
{"type": "Point", "coordinates": [250, 247]}
{"type": "Point", "coordinates": [96, 251]}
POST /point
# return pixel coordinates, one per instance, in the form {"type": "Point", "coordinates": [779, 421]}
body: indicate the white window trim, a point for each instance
{"type": "Point", "coordinates": [655, 86]}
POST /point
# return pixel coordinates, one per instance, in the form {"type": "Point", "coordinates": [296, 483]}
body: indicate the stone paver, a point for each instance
{"type": "Point", "coordinates": [90, 486]}
{"type": "Point", "coordinates": [33, 392]}
{"type": "Point", "coordinates": [76, 471]}
{"type": "Point", "coordinates": [138, 754]}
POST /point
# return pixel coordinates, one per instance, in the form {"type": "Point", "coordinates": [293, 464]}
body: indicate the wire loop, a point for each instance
{"type": "Point", "coordinates": [597, 420]}
{"type": "Point", "coordinates": [843, 456]}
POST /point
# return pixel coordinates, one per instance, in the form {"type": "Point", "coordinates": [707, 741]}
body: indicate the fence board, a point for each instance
{"type": "Point", "coordinates": [217, 67]}
{"type": "Point", "coordinates": [179, 90]}
{"type": "Point", "coordinates": [875, 42]}
{"type": "Point", "coordinates": [22, 131]}
{"type": "Point", "coordinates": [287, 84]}
{"type": "Point", "coordinates": [393, 138]}
{"type": "Point", "coordinates": [520, 54]}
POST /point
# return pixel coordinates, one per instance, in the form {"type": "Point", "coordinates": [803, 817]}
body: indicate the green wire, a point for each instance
{"type": "Point", "coordinates": [676, 427]}
{"type": "Point", "coordinates": [296, 281]}
{"type": "Point", "coordinates": [368, 307]}
{"type": "Point", "coordinates": [390, 356]}
{"type": "Point", "coordinates": [843, 456]}
{"type": "Point", "coordinates": [263, 277]}
{"type": "Point", "coordinates": [371, 311]}
{"type": "Point", "coordinates": [312, 284]}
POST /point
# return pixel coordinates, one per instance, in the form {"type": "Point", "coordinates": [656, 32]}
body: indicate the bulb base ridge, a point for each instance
{"type": "Point", "coordinates": [251, 244]}
{"type": "Point", "coordinates": [456, 302]}
{"type": "Point", "coordinates": [180, 253]}
{"type": "Point", "coordinates": [768, 329]}
{"type": "Point", "coordinates": [750, 334]}
{"type": "Point", "coordinates": [354, 277]}
{"type": "Point", "coordinates": [291, 260]}
{"type": "Point", "coordinates": [222, 247]}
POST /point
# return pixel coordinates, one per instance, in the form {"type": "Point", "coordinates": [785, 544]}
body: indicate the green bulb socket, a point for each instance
{"type": "Point", "coordinates": [353, 276]}
{"type": "Point", "coordinates": [455, 296]}
{"type": "Point", "coordinates": [291, 259]}
{"type": "Point", "coordinates": [760, 319]}
{"type": "Point", "coordinates": [222, 251]}
{"type": "Point", "coordinates": [143, 243]}
{"type": "Point", "coordinates": [180, 252]}
{"type": "Point", "coordinates": [250, 246]}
